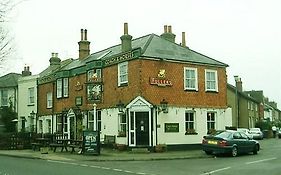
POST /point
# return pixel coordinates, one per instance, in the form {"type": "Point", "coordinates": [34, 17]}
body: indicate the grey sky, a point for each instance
{"type": "Point", "coordinates": [245, 34]}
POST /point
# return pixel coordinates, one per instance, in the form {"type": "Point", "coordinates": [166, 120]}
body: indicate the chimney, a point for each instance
{"type": "Point", "coordinates": [168, 35]}
{"type": "Point", "coordinates": [183, 43]}
{"type": "Point", "coordinates": [126, 39]}
{"type": "Point", "coordinates": [26, 71]}
{"type": "Point", "coordinates": [238, 82]}
{"type": "Point", "coordinates": [54, 60]}
{"type": "Point", "coordinates": [84, 45]}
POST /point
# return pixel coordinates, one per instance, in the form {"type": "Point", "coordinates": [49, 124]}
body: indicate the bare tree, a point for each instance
{"type": "Point", "coordinates": [5, 40]}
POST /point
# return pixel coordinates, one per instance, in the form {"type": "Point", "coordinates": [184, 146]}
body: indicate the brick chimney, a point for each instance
{"type": "Point", "coordinates": [84, 45]}
{"type": "Point", "coordinates": [54, 60]}
{"type": "Point", "coordinates": [26, 71]}
{"type": "Point", "coordinates": [238, 82]}
{"type": "Point", "coordinates": [168, 35]}
{"type": "Point", "coordinates": [126, 39]}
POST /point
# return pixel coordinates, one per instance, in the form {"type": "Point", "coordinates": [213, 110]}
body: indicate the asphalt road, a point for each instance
{"type": "Point", "coordinates": [268, 161]}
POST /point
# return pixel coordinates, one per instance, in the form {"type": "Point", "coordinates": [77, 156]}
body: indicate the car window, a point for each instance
{"type": "Point", "coordinates": [236, 135]}
{"type": "Point", "coordinates": [243, 135]}
{"type": "Point", "coordinates": [223, 135]}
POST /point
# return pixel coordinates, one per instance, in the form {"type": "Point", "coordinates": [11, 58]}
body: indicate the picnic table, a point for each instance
{"type": "Point", "coordinates": [62, 143]}
{"type": "Point", "coordinates": [40, 142]}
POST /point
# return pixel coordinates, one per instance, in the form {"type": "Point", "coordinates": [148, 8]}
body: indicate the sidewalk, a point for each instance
{"type": "Point", "coordinates": [106, 155]}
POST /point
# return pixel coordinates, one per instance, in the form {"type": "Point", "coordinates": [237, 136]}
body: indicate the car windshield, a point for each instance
{"type": "Point", "coordinates": [223, 134]}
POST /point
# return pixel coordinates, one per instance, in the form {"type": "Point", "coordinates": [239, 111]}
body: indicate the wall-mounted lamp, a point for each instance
{"type": "Point", "coordinates": [163, 106]}
{"type": "Point", "coordinates": [120, 106]}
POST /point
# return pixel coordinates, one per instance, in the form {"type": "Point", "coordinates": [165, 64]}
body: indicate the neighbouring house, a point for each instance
{"type": "Point", "coordinates": [9, 94]}
{"type": "Point", "coordinates": [144, 92]}
{"type": "Point", "coordinates": [245, 109]}
{"type": "Point", "coordinates": [27, 102]}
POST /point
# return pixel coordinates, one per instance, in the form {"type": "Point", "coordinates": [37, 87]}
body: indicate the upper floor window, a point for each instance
{"type": "Point", "coordinates": [49, 100]}
{"type": "Point", "coordinates": [94, 75]}
{"type": "Point", "coordinates": [4, 97]}
{"type": "Point", "coordinates": [31, 99]}
{"type": "Point", "coordinates": [62, 87]}
{"type": "Point", "coordinates": [211, 80]}
{"type": "Point", "coordinates": [190, 79]}
{"type": "Point", "coordinates": [122, 73]}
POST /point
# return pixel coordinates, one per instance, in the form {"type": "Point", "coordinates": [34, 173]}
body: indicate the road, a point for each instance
{"type": "Point", "coordinates": [266, 162]}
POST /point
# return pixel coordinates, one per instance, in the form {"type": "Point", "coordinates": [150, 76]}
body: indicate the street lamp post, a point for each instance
{"type": "Point", "coordinates": [236, 78]}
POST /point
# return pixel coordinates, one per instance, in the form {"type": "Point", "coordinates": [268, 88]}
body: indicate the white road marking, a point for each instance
{"type": "Point", "coordinates": [214, 171]}
{"type": "Point", "coordinates": [98, 167]}
{"type": "Point", "coordinates": [263, 160]}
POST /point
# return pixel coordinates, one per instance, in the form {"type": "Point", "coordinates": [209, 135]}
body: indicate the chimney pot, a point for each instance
{"type": "Point", "coordinates": [82, 35]}
{"type": "Point", "coordinates": [169, 29]}
{"type": "Point", "coordinates": [85, 34]}
{"type": "Point", "coordinates": [183, 39]}
{"type": "Point", "coordinates": [165, 28]}
{"type": "Point", "coordinates": [126, 29]}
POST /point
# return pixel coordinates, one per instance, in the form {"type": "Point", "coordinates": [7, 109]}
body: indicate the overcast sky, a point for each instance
{"type": "Point", "coordinates": [245, 34]}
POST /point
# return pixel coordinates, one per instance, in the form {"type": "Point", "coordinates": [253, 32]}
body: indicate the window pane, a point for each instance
{"type": "Point", "coordinates": [59, 88]}
{"type": "Point", "coordinates": [65, 87]}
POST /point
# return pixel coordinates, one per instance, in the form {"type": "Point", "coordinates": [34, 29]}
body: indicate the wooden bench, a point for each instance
{"type": "Point", "coordinates": [55, 145]}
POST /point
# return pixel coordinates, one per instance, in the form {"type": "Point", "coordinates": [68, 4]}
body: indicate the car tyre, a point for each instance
{"type": "Point", "coordinates": [256, 149]}
{"type": "Point", "coordinates": [234, 151]}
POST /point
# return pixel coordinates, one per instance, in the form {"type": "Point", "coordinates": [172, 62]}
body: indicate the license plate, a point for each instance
{"type": "Point", "coordinates": [212, 142]}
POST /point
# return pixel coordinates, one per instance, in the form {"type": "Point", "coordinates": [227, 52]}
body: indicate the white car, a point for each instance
{"type": "Point", "coordinates": [246, 131]}
{"type": "Point", "coordinates": [256, 132]}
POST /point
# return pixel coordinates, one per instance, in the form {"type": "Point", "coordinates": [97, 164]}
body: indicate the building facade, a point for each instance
{"type": "Point", "coordinates": [145, 91]}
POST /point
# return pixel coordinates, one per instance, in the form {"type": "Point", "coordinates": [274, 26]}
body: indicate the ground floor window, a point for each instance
{"type": "Point", "coordinates": [49, 126]}
{"type": "Point", "coordinates": [122, 125]}
{"type": "Point", "coordinates": [190, 123]}
{"type": "Point", "coordinates": [59, 124]}
{"type": "Point", "coordinates": [40, 126]}
{"type": "Point", "coordinates": [94, 124]}
{"type": "Point", "coordinates": [211, 122]}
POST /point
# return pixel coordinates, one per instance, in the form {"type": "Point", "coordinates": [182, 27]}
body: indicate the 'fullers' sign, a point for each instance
{"type": "Point", "coordinates": [160, 82]}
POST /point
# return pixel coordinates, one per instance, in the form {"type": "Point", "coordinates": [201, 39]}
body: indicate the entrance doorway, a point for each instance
{"type": "Point", "coordinates": [142, 128]}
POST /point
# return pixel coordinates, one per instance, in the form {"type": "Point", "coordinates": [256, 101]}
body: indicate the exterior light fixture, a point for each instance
{"type": "Point", "coordinates": [120, 106]}
{"type": "Point", "coordinates": [164, 106]}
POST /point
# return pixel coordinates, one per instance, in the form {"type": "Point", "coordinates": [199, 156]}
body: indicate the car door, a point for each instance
{"type": "Point", "coordinates": [240, 142]}
{"type": "Point", "coordinates": [246, 142]}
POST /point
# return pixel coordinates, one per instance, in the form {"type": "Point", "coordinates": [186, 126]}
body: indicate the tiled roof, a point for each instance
{"type": "Point", "coordinates": [152, 46]}
{"type": "Point", "coordinates": [9, 80]}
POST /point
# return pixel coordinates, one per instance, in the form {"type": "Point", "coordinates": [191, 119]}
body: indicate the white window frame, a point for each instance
{"type": "Point", "coordinates": [188, 122]}
{"type": "Point", "coordinates": [122, 127]}
{"type": "Point", "coordinates": [31, 97]}
{"type": "Point", "coordinates": [65, 87]}
{"type": "Point", "coordinates": [214, 82]}
{"type": "Point", "coordinates": [193, 79]}
{"type": "Point", "coordinates": [59, 88]}
{"type": "Point", "coordinates": [92, 72]}
{"type": "Point", "coordinates": [122, 73]}
{"type": "Point", "coordinates": [49, 100]}
{"type": "Point", "coordinates": [209, 122]}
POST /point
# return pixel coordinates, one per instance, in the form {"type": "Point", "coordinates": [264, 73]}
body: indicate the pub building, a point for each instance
{"type": "Point", "coordinates": [144, 92]}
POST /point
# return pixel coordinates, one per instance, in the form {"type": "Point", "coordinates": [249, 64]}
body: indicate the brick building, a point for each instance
{"type": "Point", "coordinates": [144, 91]}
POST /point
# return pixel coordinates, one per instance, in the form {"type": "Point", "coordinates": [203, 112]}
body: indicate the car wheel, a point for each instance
{"type": "Point", "coordinates": [208, 152]}
{"type": "Point", "coordinates": [234, 151]}
{"type": "Point", "coordinates": [256, 149]}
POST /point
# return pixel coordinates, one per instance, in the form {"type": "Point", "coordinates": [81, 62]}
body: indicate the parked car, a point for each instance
{"type": "Point", "coordinates": [246, 131]}
{"type": "Point", "coordinates": [229, 142]}
{"type": "Point", "coordinates": [257, 133]}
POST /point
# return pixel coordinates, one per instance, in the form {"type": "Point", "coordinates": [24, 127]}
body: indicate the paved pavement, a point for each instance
{"type": "Point", "coordinates": [105, 155]}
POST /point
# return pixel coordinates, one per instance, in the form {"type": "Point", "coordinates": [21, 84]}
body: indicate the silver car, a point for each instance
{"type": "Point", "coordinates": [256, 132]}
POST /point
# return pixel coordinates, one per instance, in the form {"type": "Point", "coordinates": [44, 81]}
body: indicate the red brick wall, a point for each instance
{"type": "Point", "coordinates": [139, 73]}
